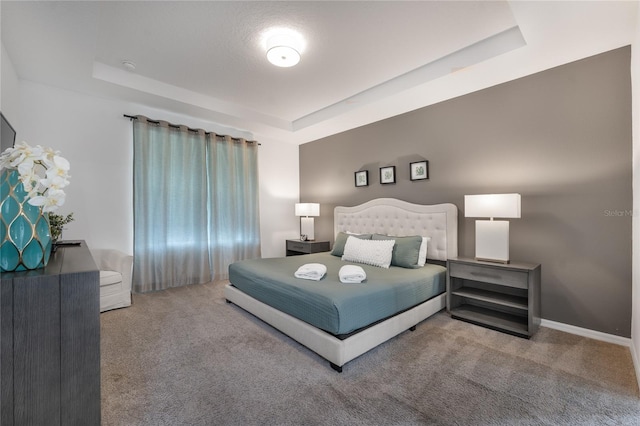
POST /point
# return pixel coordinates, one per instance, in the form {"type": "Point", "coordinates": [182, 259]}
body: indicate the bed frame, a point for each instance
{"type": "Point", "coordinates": [384, 216]}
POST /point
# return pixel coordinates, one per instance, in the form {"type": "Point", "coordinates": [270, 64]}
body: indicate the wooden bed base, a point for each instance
{"type": "Point", "coordinates": [337, 352]}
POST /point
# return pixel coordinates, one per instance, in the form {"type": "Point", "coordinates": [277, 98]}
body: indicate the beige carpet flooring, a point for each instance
{"type": "Point", "coordinates": [186, 357]}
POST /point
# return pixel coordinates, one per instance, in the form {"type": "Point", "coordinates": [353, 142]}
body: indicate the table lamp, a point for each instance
{"type": "Point", "coordinates": [307, 211]}
{"type": "Point", "coordinates": [492, 236]}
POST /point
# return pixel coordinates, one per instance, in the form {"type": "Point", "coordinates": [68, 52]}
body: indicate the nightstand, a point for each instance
{"type": "Point", "coordinates": [501, 297]}
{"type": "Point", "coordinates": [297, 247]}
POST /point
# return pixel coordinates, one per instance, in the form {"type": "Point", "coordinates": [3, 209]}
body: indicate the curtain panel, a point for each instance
{"type": "Point", "coordinates": [196, 205]}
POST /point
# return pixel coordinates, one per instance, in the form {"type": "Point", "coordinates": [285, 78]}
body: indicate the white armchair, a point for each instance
{"type": "Point", "coordinates": [115, 278]}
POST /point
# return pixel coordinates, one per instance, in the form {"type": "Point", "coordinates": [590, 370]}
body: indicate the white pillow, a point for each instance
{"type": "Point", "coordinates": [422, 256]}
{"type": "Point", "coordinates": [369, 252]}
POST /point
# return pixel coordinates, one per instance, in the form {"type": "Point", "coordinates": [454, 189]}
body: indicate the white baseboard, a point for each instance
{"type": "Point", "coordinates": [605, 337]}
{"type": "Point", "coordinates": [585, 332]}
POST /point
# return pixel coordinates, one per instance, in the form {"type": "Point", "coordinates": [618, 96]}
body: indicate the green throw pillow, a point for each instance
{"type": "Point", "coordinates": [405, 251]}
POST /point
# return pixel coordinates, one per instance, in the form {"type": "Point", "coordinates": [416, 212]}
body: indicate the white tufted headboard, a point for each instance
{"type": "Point", "coordinates": [399, 218]}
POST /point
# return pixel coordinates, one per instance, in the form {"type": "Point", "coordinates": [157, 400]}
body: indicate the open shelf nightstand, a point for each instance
{"type": "Point", "coordinates": [297, 247]}
{"type": "Point", "coordinates": [498, 296]}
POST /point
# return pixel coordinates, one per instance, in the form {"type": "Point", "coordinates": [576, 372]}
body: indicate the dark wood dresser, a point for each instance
{"type": "Point", "coordinates": [50, 342]}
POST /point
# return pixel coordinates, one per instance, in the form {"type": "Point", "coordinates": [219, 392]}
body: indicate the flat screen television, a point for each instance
{"type": "Point", "coordinates": [7, 134]}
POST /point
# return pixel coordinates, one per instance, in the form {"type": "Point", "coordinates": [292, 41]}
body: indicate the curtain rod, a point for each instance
{"type": "Point", "coordinates": [176, 126]}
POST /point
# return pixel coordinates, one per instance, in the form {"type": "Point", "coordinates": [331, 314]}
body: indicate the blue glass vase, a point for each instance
{"type": "Point", "coordinates": [25, 236]}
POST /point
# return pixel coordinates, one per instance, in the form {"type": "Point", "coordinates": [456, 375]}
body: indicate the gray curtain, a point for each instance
{"type": "Point", "coordinates": [195, 205]}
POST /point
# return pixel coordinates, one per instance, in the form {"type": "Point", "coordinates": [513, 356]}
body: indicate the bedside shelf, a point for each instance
{"type": "Point", "coordinates": [517, 302]}
{"type": "Point", "coordinates": [494, 319]}
{"type": "Point", "coordinates": [502, 297]}
{"type": "Point", "coordinates": [297, 247]}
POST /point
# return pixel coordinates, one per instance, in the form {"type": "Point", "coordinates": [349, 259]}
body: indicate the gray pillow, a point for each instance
{"type": "Point", "coordinates": [341, 240]}
{"type": "Point", "coordinates": [405, 251]}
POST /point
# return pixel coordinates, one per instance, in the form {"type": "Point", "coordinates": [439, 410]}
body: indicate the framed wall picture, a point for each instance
{"type": "Point", "coordinates": [388, 174]}
{"type": "Point", "coordinates": [362, 178]}
{"type": "Point", "coordinates": [419, 170]}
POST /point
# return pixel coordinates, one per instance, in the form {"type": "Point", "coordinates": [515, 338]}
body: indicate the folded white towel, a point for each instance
{"type": "Point", "coordinates": [311, 271]}
{"type": "Point", "coordinates": [352, 274]}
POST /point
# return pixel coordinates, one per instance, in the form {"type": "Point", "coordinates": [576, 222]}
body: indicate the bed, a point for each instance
{"type": "Point", "coordinates": [333, 319]}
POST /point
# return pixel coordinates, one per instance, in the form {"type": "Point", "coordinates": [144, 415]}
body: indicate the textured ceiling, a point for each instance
{"type": "Point", "coordinates": [363, 60]}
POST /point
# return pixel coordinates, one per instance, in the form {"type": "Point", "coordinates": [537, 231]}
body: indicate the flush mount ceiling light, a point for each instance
{"type": "Point", "coordinates": [283, 50]}
{"type": "Point", "coordinates": [284, 46]}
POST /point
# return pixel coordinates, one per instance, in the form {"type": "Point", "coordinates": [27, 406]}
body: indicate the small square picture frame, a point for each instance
{"type": "Point", "coordinates": [361, 178]}
{"type": "Point", "coordinates": [419, 170]}
{"type": "Point", "coordinates": [387, 175]}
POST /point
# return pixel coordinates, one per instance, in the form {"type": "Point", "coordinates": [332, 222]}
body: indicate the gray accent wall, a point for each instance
{"type": "Point", "coordinates": [561, 138]}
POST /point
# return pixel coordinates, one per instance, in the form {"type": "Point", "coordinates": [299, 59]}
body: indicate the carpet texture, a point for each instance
{"type": "Point", "coordinates": [186, 357]}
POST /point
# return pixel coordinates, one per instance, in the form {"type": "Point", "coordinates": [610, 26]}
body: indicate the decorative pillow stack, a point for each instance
{"type": "Point", "coordinates": [406, 252]}
{"type": "Point", "coordinates": [369, 252]}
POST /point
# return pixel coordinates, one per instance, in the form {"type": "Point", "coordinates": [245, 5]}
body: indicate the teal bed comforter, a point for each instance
{"type": "Point", "coordinates": [329, 304]}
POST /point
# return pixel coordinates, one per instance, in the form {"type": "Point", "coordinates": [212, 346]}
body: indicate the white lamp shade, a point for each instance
{"type": "Point", "coordinates": [492, 205]}
{"type": "Point", "coordinates": [307, 209]}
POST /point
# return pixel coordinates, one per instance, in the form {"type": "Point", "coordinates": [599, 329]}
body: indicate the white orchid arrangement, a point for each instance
{"type": "Point", "coordinates": [43, 173]}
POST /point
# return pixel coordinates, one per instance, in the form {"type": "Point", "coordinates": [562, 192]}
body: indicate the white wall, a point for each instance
{"type": "Point", "coordinates": [279, 180]}
{"type": "Point", "coordinates": [9, 91]}
{"type": "Point", "coordinates": [635, 291]}
{"type": "Point", "coordinates": [94, 136]}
